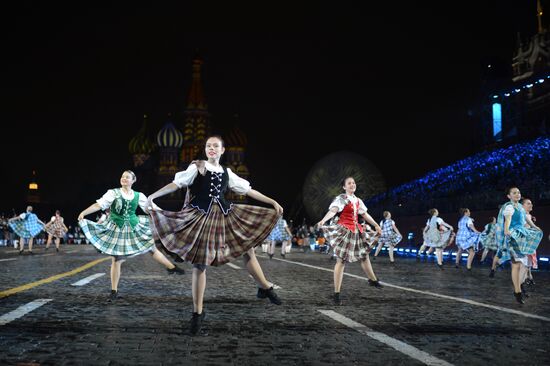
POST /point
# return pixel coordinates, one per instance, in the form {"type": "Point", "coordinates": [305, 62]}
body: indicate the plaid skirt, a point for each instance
{"type": "Point", "coordinates": [391, 239]}
{"type": "Point", "coordinates": [438, 239]}
{"type": "Point", "coordinates": [466, 239]}
{"type": "Point", "coordinates": [521, 242]}
{"type": "Point", "coordinates": [278, 235]}
{"type": "Point", "coordinates": [488, 242]}
{"type": "Point", "coordinates": [57, 231]}
{"type": "Point", "coordinates": [25, 230]}
{"type": "Point", "coordinates": [110, 239]}
{"type": "Point", "coordinates": [347, 245]}
{"type": "Point", "coordinates": [212, 238]}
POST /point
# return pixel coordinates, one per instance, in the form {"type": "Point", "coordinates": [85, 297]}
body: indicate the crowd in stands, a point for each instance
{"type": "Point", "coordinates": [477, 182]}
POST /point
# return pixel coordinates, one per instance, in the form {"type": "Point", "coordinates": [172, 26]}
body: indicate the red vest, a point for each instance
{"type": "Point", "coordinates": [348, 219]}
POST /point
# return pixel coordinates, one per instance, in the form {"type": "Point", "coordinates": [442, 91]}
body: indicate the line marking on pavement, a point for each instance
{"type": "Point", "coordinates": [28, 286]}
{"type": "Point", "coordinates": [402, 347]}
{"type": "Point", "coordinates": [87, 280]}
{"type": "Point", "coordinates": [22, 310]}
{"type": "Point", "coordinates": [9, 259]}
{"type": "Point", "coordinates": [233, 266]}
{"type": "Point", "coordinates": [447, 297]}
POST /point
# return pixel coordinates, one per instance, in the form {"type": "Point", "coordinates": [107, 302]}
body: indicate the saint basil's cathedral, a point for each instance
{"type": "Point", "coordinates": [158, 155]}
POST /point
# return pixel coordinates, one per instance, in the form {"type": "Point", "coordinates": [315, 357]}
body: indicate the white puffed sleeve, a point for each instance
{"type": "Point", "coordinates": [53, 219]}
{"type": "Point", "coordinates": [143, 203]}
{"type": "Point", "coordinates": [508, 210]}
{"type": "Point", "coordinates": [107, 199]}
{"type": "Point", "coordinates": [237, 184]}
{"type": "Point", "coordinates": [22, 216]}
{"type": "Point", "coordinates": [186, 178]}
{"type": "Point", "coordinates": [362, 207]}
{"type": "Point", "coordinates": [339, 203]}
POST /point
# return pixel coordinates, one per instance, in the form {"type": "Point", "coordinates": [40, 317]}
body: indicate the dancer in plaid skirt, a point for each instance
{"type": "Point", "coordinates": [347, 237]}
{"type": "Point", "coordinates": [515, 240]}
{"type": "Point", "coordinates": [56, 229]}
{"type": "Point", "coordinates": [467, 238]}
{"type": "Point", "coordinates": [123, 234]}
{"type": "Point", "coordinates": [526, 276]}
{"type": "Point", "coordinates": [26, 226]}
{"type": "Point", "coordinates": [282, 233]}
{"type": "Point", "coordinates": [488, 241]}
{"type": "Point", "coordinates": [390, 236]}
{"type": "Point", "coordinates": [439, 235]}
{"type": "Point", "coordinates": [210, 230]}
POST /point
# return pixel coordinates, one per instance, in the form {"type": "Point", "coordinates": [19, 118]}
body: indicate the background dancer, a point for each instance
{"type": "Point", "coordinates": [390, 236]}
{"type": "Point", "coordinates": [467, 238]}
{"type": "Point", "coordinates": [439, 235]}
{"type": "Point", "coordinates": [26, 226]}
{"type": "Point", "coordinates": [123, 234]}
{"type": "Point", "coordinates": [347, 237]}
{"type": "Point", "coordinates": [56, 229]}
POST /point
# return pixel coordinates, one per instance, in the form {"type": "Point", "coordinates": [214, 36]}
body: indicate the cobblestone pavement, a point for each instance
{"type": "Point", "coordinates": [477, 323]}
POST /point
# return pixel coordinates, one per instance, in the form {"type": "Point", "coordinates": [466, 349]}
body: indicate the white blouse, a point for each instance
{"type": "Point", "coordinates": [339, 202]}
{"type": "Point", "coordinates": [107, 199]}
{"type": "Point", "coordinates": [508, 210]}
{"type": "Point", "coordinates": [53, 219]}
{"type": "Point", "coordinates": [236, 184]}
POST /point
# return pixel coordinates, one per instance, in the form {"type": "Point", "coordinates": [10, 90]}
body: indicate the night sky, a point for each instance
{"type": "Point", "coordinates": [391, 79]}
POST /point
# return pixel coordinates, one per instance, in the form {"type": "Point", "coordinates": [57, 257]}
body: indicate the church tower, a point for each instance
{"type": "Point", "coordinates": [196, 124]}
{"type": "Point", "coordinates": [141, 147]}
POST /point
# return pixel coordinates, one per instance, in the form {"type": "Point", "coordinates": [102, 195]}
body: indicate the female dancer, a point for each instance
{"type": "Point", "coordinates": [56, 229]}
{"type": "Point", "coordinates": [347, 237]}
{"type": "Point", "coordinates": [439, 235]}
{"type": "Point", "coordinates": [527, 276]}
{"type": "Point", "coordinates": [26, 226]}
{"type": "Point", "coordinates": [211, 231]}
{"type": "Point", "coordinates": [467, 238]}
{"type": "Point", "coordinates": [124, 234]}
{"type": "Point", "coordinates": [281, 233]}
{"type": "Point", "coordinates": [390, 236]}
{"type": "Point", "coordinates": [514, 239]}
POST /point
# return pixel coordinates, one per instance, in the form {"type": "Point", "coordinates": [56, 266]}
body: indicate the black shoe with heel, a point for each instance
{"type": "Point", "coordinates": [519, 297]}
{"type": "Point", "coordinates": [336, 299]}
{"type": "Point", "coordinates": [269, 293]}
{"type": "Point", "coordinates": [375, 284]}
{"type": "Point", "coordinates": [196, 322]}
{"type": "Point", "coordinates": [176, 269]}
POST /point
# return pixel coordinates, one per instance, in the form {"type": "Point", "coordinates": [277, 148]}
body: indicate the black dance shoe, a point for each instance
{"type": "Point", "coordinates": [113, 295]}
{"type": "Point", "coordinates": [375, 284]}
{"type": "Point", "coordinates": [519, 297]}
{"type": "Point", "coordinates": [269, 293]}
{"type": "Point", "coordinates": [176, 269]}
{"type": "Point", "coordinates": [336, 299]}
{"type": "Point", "coordinates": [440, 266]}
{"type": "Point", "coordinates": [283, 255]}
{"type": "Point", "coordinates": [492, 274]}
{"type": "Point", "coordinates": [196, 322]}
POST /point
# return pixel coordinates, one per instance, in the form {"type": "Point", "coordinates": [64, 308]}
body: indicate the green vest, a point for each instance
{"type": "Point", "coordinates": [123, 210]}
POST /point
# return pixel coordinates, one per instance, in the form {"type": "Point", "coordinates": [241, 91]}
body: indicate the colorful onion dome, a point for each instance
{"type": "Point", "coordinates": [170, 136]}
{"type": "Point", "coordinates": [141, 143]}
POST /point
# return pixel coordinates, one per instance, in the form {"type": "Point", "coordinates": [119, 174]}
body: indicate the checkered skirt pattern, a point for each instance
{"type": "Point", "coordinates": [465, 237]}
{"type": "Point", "coordinates": [279, 233]}
{"type": "Point", "coordinates": [487, 239]}
{"type": "Point", "coordinates": [56, 229]}
{"type": "Point", "coordinates": [439, 239]}
{"type": "Point", "coordinates": [521, 242]}
{"type": "Point", "coordinates": [26, 229]}
{"type": "Point", "coordinates": [389, 237]}
{"type": "Point", "coordinates": [347, 245]}
{"type": "Point", "coordinates": [110, 239]}
{"type": "Point", "coordinates": [213, 238]}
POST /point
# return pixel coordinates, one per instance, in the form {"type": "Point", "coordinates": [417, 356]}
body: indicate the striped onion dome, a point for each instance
{"type": "Point", "coordinates": [170, 136]}
{"type": "Point", "coordinates": [141, 143]}
{"type": "Point", "coordinates": [236, 138]}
